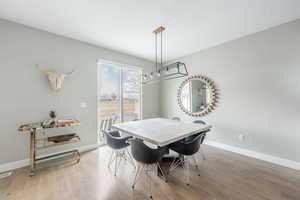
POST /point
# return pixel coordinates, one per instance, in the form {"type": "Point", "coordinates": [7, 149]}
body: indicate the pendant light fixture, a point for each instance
{"type": "Point", "coordinates": [172, 71]}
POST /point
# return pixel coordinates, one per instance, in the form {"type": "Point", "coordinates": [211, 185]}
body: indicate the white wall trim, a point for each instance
{"type": "Point", "coordinates": [88, 147]}
{"type": "Point", "coordinates": [13, 165]}
{"type": "Point", "coordinates": [265, 157]}
{"type": "Point", "coordinates": [261, 156]}
{"type": "Point", "coordinates": [23, 163]}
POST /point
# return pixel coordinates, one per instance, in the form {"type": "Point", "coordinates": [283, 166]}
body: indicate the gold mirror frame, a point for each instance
{"type": "Point", "coordinates": [214, 96]}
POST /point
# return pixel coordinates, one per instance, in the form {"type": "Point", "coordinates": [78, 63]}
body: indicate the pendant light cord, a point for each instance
{"type": "Point", "coordinates": [162, 72]}
{"type": "Point", "coordinates": [161, 48]}
{"type": "Point", "coordinates": [156, 52]}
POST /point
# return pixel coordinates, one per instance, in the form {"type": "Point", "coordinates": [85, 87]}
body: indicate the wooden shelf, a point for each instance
{"type": "Point", "coordinates": [57, 159]}
{"type": "Point", "coordinates": [47, 144]}
{"type": "Point", "coordinates": [77, 123]}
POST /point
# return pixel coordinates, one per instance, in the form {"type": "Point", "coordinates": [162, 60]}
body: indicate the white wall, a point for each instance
{"type": "Point", "coordinates": [259, 80]}
{"type": "Point", "coordinates": [26, 97]}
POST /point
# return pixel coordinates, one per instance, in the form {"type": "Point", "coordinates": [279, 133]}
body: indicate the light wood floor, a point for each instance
{"type": "Point", "coordinates": [224, 175]}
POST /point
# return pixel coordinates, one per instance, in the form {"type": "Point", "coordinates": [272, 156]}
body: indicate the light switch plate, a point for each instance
{"type": "Point", "coordinates": [83, 104]}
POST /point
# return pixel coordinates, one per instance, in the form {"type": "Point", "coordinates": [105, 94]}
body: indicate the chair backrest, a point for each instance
{"type": "Point", "coordinates": [204, 132]}
{"type": "Point", "coordinates": [176, 118]}
{"type": "Point", "coordinates": [199, 122]}
{"type": "Point", "coordinates": [114, 140]}
{"type": "Point", "coordinates": [105, 125]}
{"type": "Point", "coordinates": [144, 154]}
{"type": "Point", "coordinates": [188, 147]}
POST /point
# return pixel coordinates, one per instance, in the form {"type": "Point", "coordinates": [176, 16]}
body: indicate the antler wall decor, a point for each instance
{"type": "Point", "coordinates": [55, 79]}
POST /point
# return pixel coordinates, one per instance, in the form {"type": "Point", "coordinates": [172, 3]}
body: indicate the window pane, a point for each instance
{"type": "Point", "coordinates": [131, 94]}
{"type": "Point", "coordinates": [109, 91]}
{"type": "Point", "coordinates": [185, 96]}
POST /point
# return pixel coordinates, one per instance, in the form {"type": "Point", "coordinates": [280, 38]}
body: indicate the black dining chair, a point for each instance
{"type": "Point", "coordinates": [147, 159]}
{"type": "Point", "coordinates": [176, 119]}
{"type": "Point", "coordinates": [203, 138]}
{"type": "Point", "coordinates": [119, 146]}
{"type": "Point", "coordinates": [105, 125]}
{"type": "Point", "coordinates": [187, 149]}
{"type": "Point", "coordinates": [199, 122]}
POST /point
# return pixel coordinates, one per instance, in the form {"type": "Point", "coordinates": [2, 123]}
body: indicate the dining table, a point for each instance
{"type": "Point", "coordinates": [160, 131]}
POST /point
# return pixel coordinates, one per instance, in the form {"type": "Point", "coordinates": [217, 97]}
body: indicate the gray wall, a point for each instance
{"type": "Point", "coordinates": [26, 97]}
{"type": "Point", "coordinates": [258, 77]}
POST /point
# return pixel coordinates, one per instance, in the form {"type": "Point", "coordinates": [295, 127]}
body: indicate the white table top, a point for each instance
{"type": "Point", "coordinates": [160, 131]}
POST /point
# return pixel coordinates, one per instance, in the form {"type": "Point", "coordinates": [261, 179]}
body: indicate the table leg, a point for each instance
{"type": "Point", "coordinates": [32, 153]}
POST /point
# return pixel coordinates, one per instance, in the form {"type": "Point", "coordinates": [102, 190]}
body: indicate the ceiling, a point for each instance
{"type": "Point", "coordinates": [126, 25]}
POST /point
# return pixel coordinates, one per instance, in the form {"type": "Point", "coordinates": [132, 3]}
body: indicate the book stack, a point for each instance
{"type": "Point", "coordinates": [65, 122]}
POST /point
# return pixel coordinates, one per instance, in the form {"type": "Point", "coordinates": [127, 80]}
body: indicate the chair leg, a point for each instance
{"type": "Point", "coordinates": [162, 172]}
{"type": "Point", "coordinates": [148, 175]}
{"type": "Point", "coordinates": [116, 158]}
{"type": "Point", "coordinates": [147, 169]}
{"type": "Point", "coordinates": [186, 165]}
{"type": "Point", "coordinates": [137, 174]}
{"type": "Point", "coordinates": [202, 153]}
{"type": "Point", "coordinates": [196, 163]}
{"type": "Point", "coordinates": [111, 158]}
{"type": "Point", "coordinates": [116, 163]}
{"type": "Point", "coordinates": [130, 159]}
{"type": "Point", "coordinates": [175, 163]}
{"type": "Point", "coordinates": [185, 161]}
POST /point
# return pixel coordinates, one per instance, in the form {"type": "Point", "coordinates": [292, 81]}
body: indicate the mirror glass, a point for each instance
{"type": "Point", "coordinates": [195, 96]}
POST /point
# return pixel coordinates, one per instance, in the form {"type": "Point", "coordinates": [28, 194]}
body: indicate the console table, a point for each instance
{"type": "Point", "coordinates": [37, 144]}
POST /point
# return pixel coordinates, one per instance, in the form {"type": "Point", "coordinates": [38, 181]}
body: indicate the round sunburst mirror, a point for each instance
{"type": "Point", "coordinates": [197, 96]}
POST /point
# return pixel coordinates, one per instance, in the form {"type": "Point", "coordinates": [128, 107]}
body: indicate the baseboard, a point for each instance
{"type": "Point", "coordinates": [265, 157]}
{"type": "Point", "coordinates": [88, 147]}
{"type": "Point", "coordinates": [13, 165]}
{"type": "Point", "coordinates": [23, 163]}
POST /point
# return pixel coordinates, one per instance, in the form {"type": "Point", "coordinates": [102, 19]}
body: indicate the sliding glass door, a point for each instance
{"type": "Point", "coordinates": [109, 96]}
{"type": "Point", "coordinates": [119, 94]}
{"type": "Point", "coordinates": [131, 94]}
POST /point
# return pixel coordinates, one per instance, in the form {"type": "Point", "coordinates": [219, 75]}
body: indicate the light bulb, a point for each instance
{"type": "Point", "coordinates": [151, 75]}
{"type": "Point", "coordinates": [145, 77]}
{"type": "Point", "coordinates": [158, 73]}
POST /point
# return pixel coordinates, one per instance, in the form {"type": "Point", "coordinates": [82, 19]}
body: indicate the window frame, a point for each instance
{"type": "Point", "coordinates": [122, 66]}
